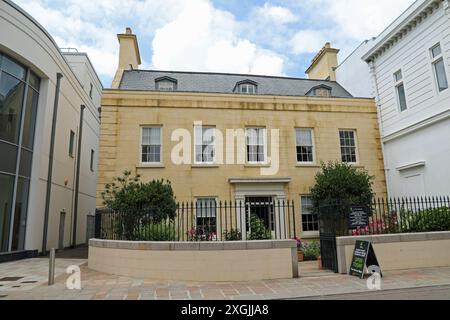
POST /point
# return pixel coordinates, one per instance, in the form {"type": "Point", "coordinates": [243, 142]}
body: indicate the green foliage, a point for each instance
{"type": "Point", "coordinates": [138, 203]}
{"type": "Point", "coordinates": [436, 219]}
{"type": "Point", "coordinates": [160, 231]}
{"type": "Point", "coordinates": [232, 235]}
{"type": "Point", "coordinates": [343, 182]}
{"type": "Point", "coordinates": [129, 194]}
{"type": "Point", "coordinates": [258, 230]}
{"type": "Point", "coordinates": [311, 250]}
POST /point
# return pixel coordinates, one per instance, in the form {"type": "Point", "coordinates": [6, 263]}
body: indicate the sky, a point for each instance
{"type": "Point", "coordinates": [278, 37]}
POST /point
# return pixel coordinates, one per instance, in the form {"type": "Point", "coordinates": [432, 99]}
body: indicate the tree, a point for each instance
{"type": "Point", "coordinates": [339, 186]}
{"type": "Point", "coordinates": [155, 200]}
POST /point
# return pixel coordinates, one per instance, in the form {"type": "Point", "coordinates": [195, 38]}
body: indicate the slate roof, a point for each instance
{"type": "Point", "coordinates": [144, 80]}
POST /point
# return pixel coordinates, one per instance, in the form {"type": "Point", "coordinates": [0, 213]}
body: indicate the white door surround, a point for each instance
{"type": "Point", "coordinates": [260, 187]}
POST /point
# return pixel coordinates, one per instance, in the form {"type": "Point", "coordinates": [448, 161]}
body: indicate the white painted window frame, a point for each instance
{"type": "Point", "coordinates": [160, 142]}
{"type": "Point", "coordinates": [397, 84]}
{"type": "Point", "coordinates": [434, 61]}
{"type": "Point", "coordinates": [313, 147]}
{"type": "Point", "coordinates": [214, 145]}
{"type": "Point", "coordinates": [355, 134]}
{"type": "Point", "coordinates": [264, 134]}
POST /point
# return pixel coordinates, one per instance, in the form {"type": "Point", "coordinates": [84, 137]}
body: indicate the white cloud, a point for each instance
{"type": "Point", "coordinates": [276, 13]}
{"type": "Point", "coordinates": [364, 19]}
{"type": "Point", "coordinates": [203, 38]}
{"type": "Point", "coordinates": [308, 41]}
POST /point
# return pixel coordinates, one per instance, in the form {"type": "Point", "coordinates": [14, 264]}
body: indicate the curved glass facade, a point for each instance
{"type": "Point", "coordinates": [19, 95]}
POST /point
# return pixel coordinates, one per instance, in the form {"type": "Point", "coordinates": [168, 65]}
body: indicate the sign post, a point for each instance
{"type": "Point", "coordinates": [359, 217]}
{"type": "Point", "coordinates": [364, 256]}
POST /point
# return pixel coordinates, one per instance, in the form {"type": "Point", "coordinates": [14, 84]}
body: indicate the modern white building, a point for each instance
{"type": "Point", "coordinates": [353, 73]}
{"type": "Point", "coordinates": [409, 65]}
{"type": "Point", "coordinates": [49, 133]}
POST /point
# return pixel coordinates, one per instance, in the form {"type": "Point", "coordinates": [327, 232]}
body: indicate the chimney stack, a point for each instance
{"type": "Point", "coordinates": [129, 56]}
{"type": "Point", "coordinates": [324, 64]}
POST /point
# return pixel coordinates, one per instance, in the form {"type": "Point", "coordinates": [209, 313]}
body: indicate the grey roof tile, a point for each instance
{"type": "Point", "coordinates": [144, 80]}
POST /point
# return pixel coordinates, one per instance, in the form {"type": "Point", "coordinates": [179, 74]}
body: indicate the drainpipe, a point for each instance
{"type": "Point", "coordinates": [77, 183]}
{"type": "Point", "coordinates": [50, 163]}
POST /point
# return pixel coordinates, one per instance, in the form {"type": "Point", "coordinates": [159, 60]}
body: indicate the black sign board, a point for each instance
{"type": "Point", "coordinates": [364, 255]}
{"type": "Point", "coordinates": [358, 217]}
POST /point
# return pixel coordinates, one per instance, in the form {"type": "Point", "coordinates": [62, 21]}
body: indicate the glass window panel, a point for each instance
{"type": "Point", "coordinates": [34, 81]}
{"type": "Point", "coordinates": [304, 137]}
{"type": "Point", "coordinates": [151, 145]}
{"type": "Point", "coordinates": [166, 85]}
{"type": "Point", "coordinates": [309, 219]}
{"type": "Point", "coordinates": [398, 76]}
{"type": "Point", "coordinates": [441, 75]}
{"type": "Point", "coordinates": [436, 51]}
{"type": "Point", "coordinates": [13, 68]}
{"type": "Point", "coordinates": [71, 143]}
{"type": "Point", "coordinates": [6, 193]}
{"type": "Point", "coordinates": [401, 97]}
{"type": "Point", "coordinates": [11, 98]}
{"type": "Point", "coordinates": [29, 123]}
{"type": "Point", "coordinates": [92, 160]}
{"type": "Point", "coordinates": [348, 146]}
{"type": "Point", "coordinates": [8, 158]}
{"type": "Point", "coordinates": [26, 158]}
{"type": "Point", "coordinates": [20, 215]}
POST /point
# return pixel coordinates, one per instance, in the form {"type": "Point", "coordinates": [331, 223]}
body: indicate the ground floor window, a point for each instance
{"type": "Point", "coordinates": [206, 216]}
{"type": "Point", "coordinates": [310, 221]}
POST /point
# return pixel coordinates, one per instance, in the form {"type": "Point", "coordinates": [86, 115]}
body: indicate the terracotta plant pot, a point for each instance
{"type": "Point", "coordinates": [301, 256]}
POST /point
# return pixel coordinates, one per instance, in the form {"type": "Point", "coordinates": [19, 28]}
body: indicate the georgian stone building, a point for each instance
{"type": "Point", "coordinates": [184, 127]}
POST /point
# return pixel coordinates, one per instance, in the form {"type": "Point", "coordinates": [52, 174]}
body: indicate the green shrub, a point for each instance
{"type": "Point", "coordinates": [232, 235]}
{"type": "Point", "coordinates": [437, 219]}
{"type": "Point", "coordinates": [158, 231]}
{"type": "Point", "coordinates": [258, 229]}
{"type": "Point", "coordinates": [311, 250]}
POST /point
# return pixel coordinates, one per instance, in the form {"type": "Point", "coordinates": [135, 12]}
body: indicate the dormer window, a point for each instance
{"type": "Point", "coordinates": [320, 91]}
{"type": "Point", "coordinates": [166, 84]}
{"type": "Point", "coordinates": [246, 87]}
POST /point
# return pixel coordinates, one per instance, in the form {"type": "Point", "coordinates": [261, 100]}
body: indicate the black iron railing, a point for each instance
{"type": "Point", "coordinates": [215, 221]}
{"type": "Point", "coordinates": [386, 216]}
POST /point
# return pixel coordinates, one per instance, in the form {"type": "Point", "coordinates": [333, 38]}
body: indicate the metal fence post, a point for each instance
{"type": "Point", "coordinates": [51, 267]}
{"type": "Point", "coordinates": [98, 224]}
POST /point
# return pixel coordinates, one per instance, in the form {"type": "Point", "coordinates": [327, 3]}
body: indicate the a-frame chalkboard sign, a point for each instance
{"type": "Point", "coordinates": [364, 256]}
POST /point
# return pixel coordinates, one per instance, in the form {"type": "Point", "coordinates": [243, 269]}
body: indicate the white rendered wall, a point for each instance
{"type": "Point", "coordinates": [353, 73]}
{"type": "Point", "coordinates": [23, 40]}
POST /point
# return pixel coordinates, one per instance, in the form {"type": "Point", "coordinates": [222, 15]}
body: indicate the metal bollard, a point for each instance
{"type": "Point", "coordinates": [51, 268]}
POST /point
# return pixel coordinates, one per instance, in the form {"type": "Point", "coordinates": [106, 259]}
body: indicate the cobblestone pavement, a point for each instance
{"type": "Point", "coordinates": [312, 283]}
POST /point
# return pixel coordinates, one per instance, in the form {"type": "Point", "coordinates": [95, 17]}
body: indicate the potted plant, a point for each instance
{"type": "Point", "coordinates": [300, 253]}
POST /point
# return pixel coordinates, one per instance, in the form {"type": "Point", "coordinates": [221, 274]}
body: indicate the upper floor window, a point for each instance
{"type": "Point", "coordinates": [320, 91]}
{"type": "Point", "coordinates": [151, 145]}
{"type": "Point", "coordinates": [71, 144]}
{"type": "Point", "coordinates": [437, 61]}
{"type": "Point", "coordinates": [91, 166]}
{"type": "Point", "coordinates": [348, 146]}
{"type": "Point", "coordinates": [400, 90]}
{"type": "Point", "coordinates": [91, 89]}
{"type": "Point", "coordinates": [255, 145]}
{"type": "Point", "coordinates": [305, 145]}
{"type": "Point", "coordinates": [246, 87]}
{"type": "Point", "coordinates": [166, 84]}
{"type": "Point", "coordinates": [204, 144]}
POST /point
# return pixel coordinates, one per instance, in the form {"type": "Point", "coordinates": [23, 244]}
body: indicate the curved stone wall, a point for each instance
{"type": "Point", "coordinates": [196, 261]}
